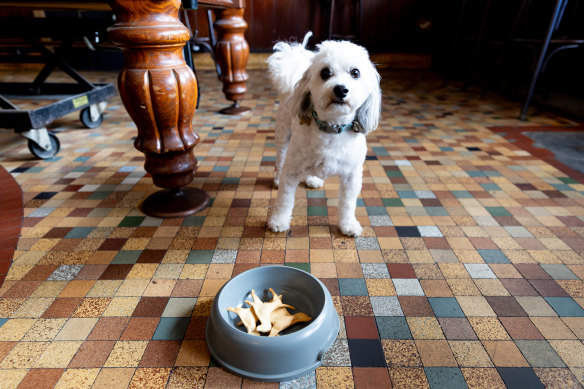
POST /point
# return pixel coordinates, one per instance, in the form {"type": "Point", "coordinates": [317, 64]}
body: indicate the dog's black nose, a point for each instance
{"type": "Point", "coordinates": [340, 91]}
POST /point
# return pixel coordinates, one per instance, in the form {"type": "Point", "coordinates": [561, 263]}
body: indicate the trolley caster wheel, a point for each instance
{"type": "Point", "coordinates": [41, 153]}
{"type": "Point", "coordinates": [85, 117]}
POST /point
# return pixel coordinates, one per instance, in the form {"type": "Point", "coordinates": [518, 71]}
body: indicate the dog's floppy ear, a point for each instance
{"type": "Point", "coordinates": [369, 113]}
{"type": "Point", "coordinates": [300, 100]}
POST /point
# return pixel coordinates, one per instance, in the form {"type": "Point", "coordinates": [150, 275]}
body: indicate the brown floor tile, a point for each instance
{"type": "Point", "coordinates": [505, 306]}
{"type": "Point", "coordinates": [427, 271]}
{"type": "Point", "coordinates": [77, 288]}
{"type": "Point", "coordinates": [149, 377]}
{"type": "Point", "coordinates": [150, 306]}
{"type": "Point", "coordinates": [457, 328]}
{"type": "Point", "coordinates": [401, 353]}
{"type": "Point", "coordinates": [112, 244]}
{"type": "Point", "coordinates": [184, 377]}
{"type": "Point", "coordinates": [435, 353]}
{"type": "Point", "coordinates": [371, 377]}
{"type": "Point", "coordinates": [41, 378]}
{"type": "Point", "coordinates": [356, 306]}
{"type": "Point", "coordinates": [504, 270]}
{"type": "Point", "coordinates": [552, 328]}
{"type": "Point", "coordinates": [193, 353]}
{"type": "Point", "coordinates": [532, 271]}
{"type": "Point", "coordinates": [187, 288]}
{"type": "Point", "coordinates": [160, 353]}
{"type": "Point", "coordinates": [505, 353]}
{"type": "Point", "coordinates": [22, 289]}
{"type": "Point", "coordinates": [196, 328]}
{"type": "Point", "coordinates": [113, 378]}
{"type": "Point", "coordinates": [140, 328]}
{"type": "Point", "coordinates": [361, 327]}
{"type": "Point", "coordinates": [62, 307]}
{"type": "Point", "coordinates": [555, 378]}
{"type": "Point", "coordinates": [273, 256]}
{"type": "Point", "coordinates": [39, 273]}
{"type": "Point", "coordinates": [401, 270]}
{"type": "Point", "coordinates": [218, 378]}
{"type": "Point", "coordinates": [520, 328]}
{"type": "Point", "coordinates": [5, 348]}
{"type": "Point", "coordinates": [349, 270]}
{"type": "Point", "coordinates": [548, 288]}
{"type": "Point", "coordinates": [436, 288]}
{"type": "Point", "coordinates": [151, 256]}
{"type": "Point", "coordinates": [332, 284]}
{"type": "Point", "coordinates": [90, 272]}
{"type": "Point", "coordinates": [91, 354]}
{"type": "Point", "coordinates": [482, 378]}
{"type": "Point", "coordinates": [241, 267]}
{"type": "Point", "coordinates": [488, 328]}
{"type": "Point", "coordinates": [404, 378]}
{"type": "Point", "coordinates": [108, 328]}
{"type": "Point", "coordinates": [519, 287]}
{"type": "Point", "coordinates": [415, 306]}
{"type": "Point", "coordinates": [576, 325]}
{"type": "Point", "coordinates": [470, 353]}
{"type": "Point", "coordinates": [115, 272]}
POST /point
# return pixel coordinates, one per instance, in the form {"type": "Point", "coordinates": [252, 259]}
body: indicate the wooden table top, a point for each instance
{"type": "Point", "coordinates": [102, 5]}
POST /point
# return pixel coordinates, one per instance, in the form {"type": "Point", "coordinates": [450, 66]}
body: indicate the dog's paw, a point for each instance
{"type": "Point", "coordinates": [352, 228]}
{"type": "Point", "coordinates": [314, 182]}
{"type": "Point", "coordinates": [278, 225]}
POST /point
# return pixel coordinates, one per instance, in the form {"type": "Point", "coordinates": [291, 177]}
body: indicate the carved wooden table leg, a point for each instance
{"type": "Point", "coordinates": [232, 52]}
{"type": "Point", "coordinates": [159, 92]}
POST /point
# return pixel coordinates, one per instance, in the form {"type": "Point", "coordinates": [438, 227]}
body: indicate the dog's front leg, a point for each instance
{"type": "Point", "coordinates": [282, 214]}
{"type": "Point", "coordinates": [348, 192]}
{"type": "Point", "coordinates": [282, 148]}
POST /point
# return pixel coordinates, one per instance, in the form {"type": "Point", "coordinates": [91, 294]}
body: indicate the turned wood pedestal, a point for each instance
{"type": "Point", "coordinates": [232, 53]}
{"type": "Point", "coordinates": [159, 92]}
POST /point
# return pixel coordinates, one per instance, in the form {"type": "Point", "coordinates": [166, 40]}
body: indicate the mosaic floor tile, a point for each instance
{"type": "Point", "coordinates": [517, 377]}
{"type": "Point", "coordinates": [445, 377]}
{"type": "Point", "coordinates": [469, 272]}
{"type": "Point", "coordinates": [557, 378]}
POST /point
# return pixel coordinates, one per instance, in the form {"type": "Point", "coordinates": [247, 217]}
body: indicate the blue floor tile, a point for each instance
{"type": "Point", "coordinates": [393, 327]}
{"type": "Point", "coordinates": [445, 307]}
{"type": "Point", "coordinates": [352, 287]}
{"type": "Point", "coordinates": [366, 353]}
{"type": "Point", "coordinates": [171, 328]}
{"type": "Point", "coordinates": [200, 256]}
{"type": "Point", "coordinates": [565, 306]}
{"type": "Point", "coordinates": [519, 378]}
{"type": "Point", "coordinates": [445, 378]}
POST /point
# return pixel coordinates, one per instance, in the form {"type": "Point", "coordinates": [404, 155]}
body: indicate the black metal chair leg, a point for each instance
{"type": "Point", "coordinates": [542, 55]}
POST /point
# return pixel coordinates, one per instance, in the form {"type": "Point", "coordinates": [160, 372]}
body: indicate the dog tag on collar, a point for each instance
{"type": "Point", "coordinates": [305, 121]}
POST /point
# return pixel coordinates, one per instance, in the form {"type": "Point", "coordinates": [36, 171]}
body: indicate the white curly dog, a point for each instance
{"type": "Point", "coordinates": [330, 100]}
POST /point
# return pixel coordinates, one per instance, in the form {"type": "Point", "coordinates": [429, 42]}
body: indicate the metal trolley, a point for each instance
{"type": "Point", "coordinates": [82, 95]}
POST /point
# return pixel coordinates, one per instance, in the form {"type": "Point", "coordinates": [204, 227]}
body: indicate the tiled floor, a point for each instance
{"type": "Point", "coordinates": [469, 273]}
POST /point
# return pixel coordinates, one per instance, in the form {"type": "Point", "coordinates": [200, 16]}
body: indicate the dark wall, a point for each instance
{"type": "Point", "coordinates": [388, 26]}
{"type": "Point", "coordinates": [499, 59]}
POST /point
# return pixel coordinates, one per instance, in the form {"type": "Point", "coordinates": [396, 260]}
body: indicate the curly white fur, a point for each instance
{"type": "Point", "coordinates": [306, 153]}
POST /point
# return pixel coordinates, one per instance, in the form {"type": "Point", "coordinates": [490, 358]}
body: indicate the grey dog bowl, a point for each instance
{"type": "Point", "coordinates": [298, 350]}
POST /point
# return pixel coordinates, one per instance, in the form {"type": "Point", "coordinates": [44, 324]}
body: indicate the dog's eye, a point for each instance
{"type": "Point", "coordinates": [325, 74]}
{"type": "Point", "coordinates": [355, 73]}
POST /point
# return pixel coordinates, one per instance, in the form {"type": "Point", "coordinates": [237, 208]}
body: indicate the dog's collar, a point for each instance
{"type": "Point", "coordinates": [332, 128]}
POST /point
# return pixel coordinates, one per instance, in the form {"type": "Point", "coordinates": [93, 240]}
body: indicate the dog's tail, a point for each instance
{"type": "Point", "coordinates": [288, 64]}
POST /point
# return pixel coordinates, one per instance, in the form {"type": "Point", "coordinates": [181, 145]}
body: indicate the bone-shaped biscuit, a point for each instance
{"type": "Point", "coordinates": [263, 310]}
{"type": "Point", "coordinates": [281, 319]}
{"type": "Point", "coordinates": [248, 318]}
{"type": "Point", "coordinates": [256, 299]}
